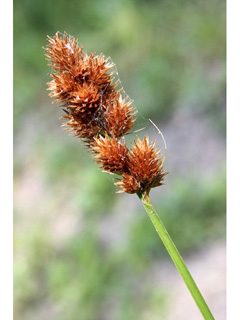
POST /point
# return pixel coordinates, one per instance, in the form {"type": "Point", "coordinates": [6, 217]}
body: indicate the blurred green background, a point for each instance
{"type": "Point", "coordinates": [81, 250]}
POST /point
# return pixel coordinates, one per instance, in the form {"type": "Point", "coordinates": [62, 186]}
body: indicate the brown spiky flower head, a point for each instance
{"type": "Point", "coordinates": [111, 154]}
{"type": "Point", "coordinates": [97, 112]}
{"type": "Point", "coordinates": [144, 168]}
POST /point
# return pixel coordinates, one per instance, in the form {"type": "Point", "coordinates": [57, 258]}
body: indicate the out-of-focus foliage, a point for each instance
{"type": "Point", "coordinates": [168, 53]}
{"type": "Point", "coordinates": [81, 251]}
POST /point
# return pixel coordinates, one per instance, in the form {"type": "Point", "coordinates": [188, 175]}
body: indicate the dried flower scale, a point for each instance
{"type": "Point", "coordinates": [96, 112]}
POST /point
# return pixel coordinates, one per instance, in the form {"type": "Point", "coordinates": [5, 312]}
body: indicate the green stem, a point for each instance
{"type": "Point", "coordinates": [176, 257]}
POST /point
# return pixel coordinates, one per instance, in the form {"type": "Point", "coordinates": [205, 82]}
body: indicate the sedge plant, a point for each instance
{"type": "Point", "coordinates": [100, 114]}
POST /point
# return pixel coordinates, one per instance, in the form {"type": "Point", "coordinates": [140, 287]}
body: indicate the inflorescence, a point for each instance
{"type": "Point", "coordinates": [97, 113]}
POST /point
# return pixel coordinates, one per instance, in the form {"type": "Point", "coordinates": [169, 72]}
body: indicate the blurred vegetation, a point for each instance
{"type": "Point", "coordinates": [170, 55]}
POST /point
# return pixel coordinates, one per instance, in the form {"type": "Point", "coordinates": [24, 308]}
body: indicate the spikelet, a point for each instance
{"type": "Point", "coordinates": [111, 154]}
{"type": "Point", "coordinates": [64, 54]}
{"type": "Point", "coordinates": [98, 70]}
{"type": "Point", "coordinates": [145, 166]}
{"type": "Point", "coordinates": [119, 117]}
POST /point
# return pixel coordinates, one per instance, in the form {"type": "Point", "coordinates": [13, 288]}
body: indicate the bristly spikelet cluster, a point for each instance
{"type": "Point", "coordinates": [84, 85]}
{"type": "Point", "coordinates": [144, 168]}
{"type": "Point", "coordinates": [96, 112]}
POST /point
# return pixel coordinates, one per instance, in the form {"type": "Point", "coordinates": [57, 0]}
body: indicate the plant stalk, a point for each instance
{"type": "Point", "coordinates": [176, 257]}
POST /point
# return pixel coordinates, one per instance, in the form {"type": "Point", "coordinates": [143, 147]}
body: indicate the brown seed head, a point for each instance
{"type": "Point", "coordinates": [64, 54]}
{"type": "Point", "coordinates": [85, 98]}
{"type": "Point", "coordinates": [145, 166]}
{"type": "Point", "coordinates": [111, 154]}
{"type": "Point", "coordinates": [119, 117]}
{"type": "Point", "coordinates": [98, 68]}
